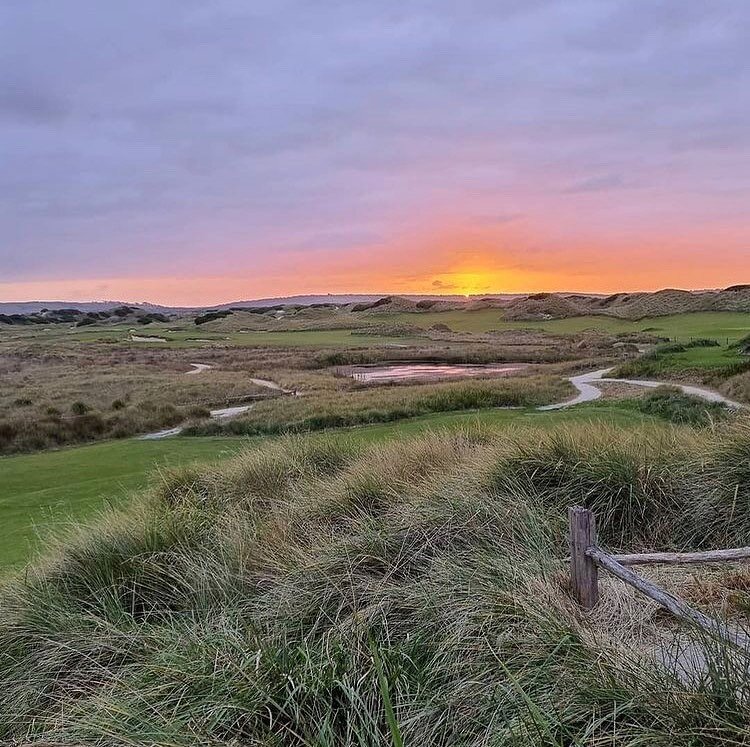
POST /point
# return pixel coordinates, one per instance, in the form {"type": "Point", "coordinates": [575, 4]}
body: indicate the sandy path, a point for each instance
{"type": "Point", "coordinates": [221, 414]}
{"type": "Point", "coordinates": [198, 368]}
{"type": "Point", "coordinates": [273, 385]}
{"type": "Point", "coordinates": [588, 391]}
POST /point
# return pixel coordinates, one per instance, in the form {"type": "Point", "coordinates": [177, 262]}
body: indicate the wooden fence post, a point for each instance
{"type": "Point", "coordinates": [584, 574]}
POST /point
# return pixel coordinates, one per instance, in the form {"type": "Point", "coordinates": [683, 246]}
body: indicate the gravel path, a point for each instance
{"type": "Point", "coordinates": [221, 414]}
{"type": "Point", "coordinates": [588, 391]}
{"type": "Point", "coordinates": [198, 368]}
{"type": "Point", "coordinates": [273, 385]}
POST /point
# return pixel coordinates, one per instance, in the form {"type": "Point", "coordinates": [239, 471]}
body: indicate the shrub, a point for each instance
{"type": "Point", "coordinates": [211, 316]}
{"type": "Point", "coordinates": [79, 408]}
{"type": "Point", "coordinates": [673, 405]}
{"type": "Point", "coordinates": [385, 404]}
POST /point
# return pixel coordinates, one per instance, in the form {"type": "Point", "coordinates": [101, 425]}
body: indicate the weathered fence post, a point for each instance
{"type": "Point", "coordinates": [584, 575]}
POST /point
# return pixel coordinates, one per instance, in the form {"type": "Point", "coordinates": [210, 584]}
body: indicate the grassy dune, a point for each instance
{"type": "Point", "coordinates": [320, 593]}
{"type": "Point", "coordinates": [721, 325]}
{"type": "Point", "coordinates": [40, 492]}
{"type": "Point", "coordinates": [717, 324]}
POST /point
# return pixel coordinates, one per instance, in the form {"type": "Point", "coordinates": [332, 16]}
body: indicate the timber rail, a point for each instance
{"type": "Point", "coordinates": [586, 558]}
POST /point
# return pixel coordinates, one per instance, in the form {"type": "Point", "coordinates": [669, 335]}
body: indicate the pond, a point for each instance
{"type": "Point", "coordinates": [430, 371]}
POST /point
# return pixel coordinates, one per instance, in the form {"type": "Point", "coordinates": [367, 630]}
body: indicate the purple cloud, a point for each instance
{"type": "Point", "coordinates": [223, 135]}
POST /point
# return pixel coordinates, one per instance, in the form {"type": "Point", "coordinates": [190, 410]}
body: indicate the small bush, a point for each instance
{"type": "Point", "coordinates": [671, 404]}
{"type": "Point", "coordinates": [211, 316]}
{"type": "Point", "coordinates": [79, 408]}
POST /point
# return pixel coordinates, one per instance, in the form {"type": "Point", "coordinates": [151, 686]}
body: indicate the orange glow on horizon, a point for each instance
{"type": "Point", "coordinates": [460, 260]}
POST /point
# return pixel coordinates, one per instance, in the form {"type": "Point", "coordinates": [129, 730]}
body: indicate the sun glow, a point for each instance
{"type": "Point", "coordinates": [466, 283]}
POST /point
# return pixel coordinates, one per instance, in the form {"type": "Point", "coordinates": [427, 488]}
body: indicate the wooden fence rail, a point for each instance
{"type": "Point", "coordinates": [586, 557]}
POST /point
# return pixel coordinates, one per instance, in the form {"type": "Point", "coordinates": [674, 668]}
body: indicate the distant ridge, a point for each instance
{"type": "Point", "coordinates": [28, 307]}
{"type": "Point", "coordinates": [520, 306]}
{"type": "Point", "coordinates": [32, 307]}
{"type": "Point", "coordinates": [631, 306]}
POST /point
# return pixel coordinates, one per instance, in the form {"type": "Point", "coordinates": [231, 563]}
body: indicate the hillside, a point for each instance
{"type": "Point", "coordinates": [314, 593]}
{"type": "Point", "coordinates": [632, 306]}
{"type": "Point", "coordinates": [79, 318]}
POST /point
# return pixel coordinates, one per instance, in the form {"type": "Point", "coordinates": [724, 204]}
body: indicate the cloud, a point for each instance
{"type": "Point", "coordinates": [598, 184]}
{"type": "Point", "coordinates": [440, 285]}
{"type": "Point", "coordinates": [225, 138]}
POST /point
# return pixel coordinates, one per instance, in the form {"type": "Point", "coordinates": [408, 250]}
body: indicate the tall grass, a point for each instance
{"type": "Point", "coordinates": [314, 592]}
{"type": "Point", "coordinates": [335, 409]}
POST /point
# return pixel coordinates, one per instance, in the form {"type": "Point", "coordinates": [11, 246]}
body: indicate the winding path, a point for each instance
{"type": "Point", "coordinates": [273, 385]}
{"type": "Point", "coordinates": [223, 413]}
{"type": "Point", "coordinates": [588, 391]}
{"type": "Point", "coordinates": [198, 368]}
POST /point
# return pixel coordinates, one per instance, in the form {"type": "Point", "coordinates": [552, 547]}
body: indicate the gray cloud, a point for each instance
{"type": "Point", "coordinates": [230, 133]}
{"type": "Point", "coordinates": [598, 184]}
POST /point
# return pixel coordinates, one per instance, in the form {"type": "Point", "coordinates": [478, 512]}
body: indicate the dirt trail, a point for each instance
{"type": "Point", "coordinates": [273, 385]}
{"type": "Point", "coordinates": [198, 368]}
{"type": "Point", "coordinates": [588, 391]}
{"type": "Point", "coordinates": [222, 413]}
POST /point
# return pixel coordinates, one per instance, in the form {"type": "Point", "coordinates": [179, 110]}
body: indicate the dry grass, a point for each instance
{"type": "Point", "coordinates": [312, 593]}
{"type": "Point", "coordinates": [350, 405]}
{"type": "Point", "coordinates": [51, 398]}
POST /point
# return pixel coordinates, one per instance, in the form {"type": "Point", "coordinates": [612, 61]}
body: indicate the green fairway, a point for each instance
{"type": "Point", "coordinates": [724, 326]}
{"type": "Point", "coordinates": [44, 490]}
{"type": "Point", "coordinates": [713, 357]}
{"type": "Point", "coordinates": [198, 338]}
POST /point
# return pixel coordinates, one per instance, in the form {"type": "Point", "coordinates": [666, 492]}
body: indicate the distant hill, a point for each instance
{"type": "Point", "coordinates": [82, 318]}
{"type": "Point", "coordinates": [632, 306]}
{"type": "Point", "coordinates": [335, 299]}
{"type": "Point", "coordinates": [34, 307]}
{"type": "Point", "coordinates": [518, 307]}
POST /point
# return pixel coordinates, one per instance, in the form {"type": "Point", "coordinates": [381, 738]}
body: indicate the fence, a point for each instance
{"type": "Point", "coordinates": [586, 557]}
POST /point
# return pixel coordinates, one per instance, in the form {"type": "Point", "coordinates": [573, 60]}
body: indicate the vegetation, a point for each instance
{"type": "Point", "coordinates": [671, 404]}
{"type": "Point", "coordinates": [52, 397]}
{"type": "Point", "coordinates": [705, 360]}
{"type": "Point", "coordinates": [386, 404]}
{"type": "Point", "coordinates": [39, 492]}
{"type": "Point", "coordinates": [314, 593]}
{"type": "Point", "coordinates": [211, 316]}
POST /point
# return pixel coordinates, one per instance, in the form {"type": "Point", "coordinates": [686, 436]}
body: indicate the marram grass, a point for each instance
{"type": "Point", "coordinates": [319, 593]}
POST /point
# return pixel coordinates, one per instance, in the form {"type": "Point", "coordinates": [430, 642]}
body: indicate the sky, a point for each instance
{"type": "Point", "coordinates": [204, 151]}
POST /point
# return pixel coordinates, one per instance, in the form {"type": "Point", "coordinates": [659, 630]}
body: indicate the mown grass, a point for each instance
{"type": "Point", "coordinates": [314, 593]}
{"type": "Point", "coordinates": [715, 362]}
{"type": "Point", "coordinates": [45, 490]}
{"type": "Point", "coordinates": [720, 325]}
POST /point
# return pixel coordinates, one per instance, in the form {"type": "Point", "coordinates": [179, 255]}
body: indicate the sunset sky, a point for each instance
{"type": "Point", "coordinates": [203, 151]}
